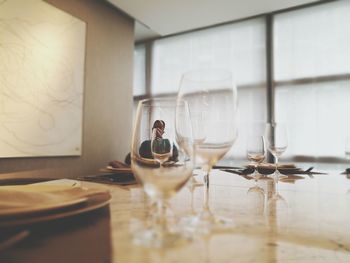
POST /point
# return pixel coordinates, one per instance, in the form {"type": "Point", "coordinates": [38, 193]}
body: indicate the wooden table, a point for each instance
{"type": "Point", "coordinates": [311, 225]}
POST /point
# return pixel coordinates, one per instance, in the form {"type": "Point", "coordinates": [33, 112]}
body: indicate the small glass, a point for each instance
{"type": "Point", "coordinates": [277, 143]}
{"type": "Point", "coordinates": [256, 153]}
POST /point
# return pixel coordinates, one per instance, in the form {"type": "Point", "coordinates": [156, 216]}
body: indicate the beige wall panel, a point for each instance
{"type": "Point", "coordinates": [107, 109]}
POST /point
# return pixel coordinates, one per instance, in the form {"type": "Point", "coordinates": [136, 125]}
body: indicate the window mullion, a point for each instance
{"type": "Point", "coordinates": [148, 75]}
{"type": "Point", "coordinates": [270, 84]}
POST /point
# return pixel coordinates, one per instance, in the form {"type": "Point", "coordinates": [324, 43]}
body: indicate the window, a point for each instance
{"type": "Point", "coordinates": [312, 73]}
{"type": "Point", "coordinates": [139, 70]}
{"type": "Point", "coordinates": [239, 47]}
{"type": "Point", "coordinates": [311, 78]}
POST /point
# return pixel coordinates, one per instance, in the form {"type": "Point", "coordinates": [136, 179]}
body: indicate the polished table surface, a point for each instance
{"type": "Point", "coordinates": [310, 224]}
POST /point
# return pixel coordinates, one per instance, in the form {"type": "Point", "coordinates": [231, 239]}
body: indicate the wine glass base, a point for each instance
{"type": "Point", "coordinates": [256, 189]}
{"type": "Point", "coordinates": [193, 183]}
{"type": "Point", "coordinates": [255, 176]}
{"type": "Point", "coordinates": [277, 176]}
{"type": "Point", "coordinates": [277, 205]}
{"type": "Point", "coordinates": [155, 239]}
{"type": "Point", "coordinates": [282, 176]}
{"type": "Point", "coordinates": [204, 223]}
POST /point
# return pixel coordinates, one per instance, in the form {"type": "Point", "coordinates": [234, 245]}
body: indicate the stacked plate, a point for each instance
{"type": "Point", "coordinates": [39, 202]}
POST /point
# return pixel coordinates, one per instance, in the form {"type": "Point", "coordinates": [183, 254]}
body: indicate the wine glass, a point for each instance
{"type": "Point", "coordinates": [212, 102]}
{"type": "Point", "coordinates": [159, 163]}
{"type": "Point", "coordinates": [256, 152]}
{"type": "Point", "coordinates": [277, 142]}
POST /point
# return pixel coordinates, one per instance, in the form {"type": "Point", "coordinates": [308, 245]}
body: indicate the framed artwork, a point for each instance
{"type": "Point", "coordinates": [42, 54]}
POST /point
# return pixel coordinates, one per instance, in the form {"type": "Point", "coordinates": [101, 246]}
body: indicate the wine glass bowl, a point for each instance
{"type": "Point", "coordinates": [159, 163]}
{"type": "Point", "coordinates": [212, 101]}
{"type": "Point", "coordinates": [255, 157]}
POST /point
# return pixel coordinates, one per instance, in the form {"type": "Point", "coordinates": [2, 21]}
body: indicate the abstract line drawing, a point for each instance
{"type": "Point", "coordinates": [42, 52]}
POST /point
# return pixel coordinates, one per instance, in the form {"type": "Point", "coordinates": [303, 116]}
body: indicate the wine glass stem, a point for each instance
{"type": "Point", "coordinates": [192, 201]}
{"type": "Point", "coordinates": [161, 216]}
{"type": "Point", "coordinates": [276, 162]}
{"type": "Point", "coordinates": [276, 188]}
{"type": "Point", "coordinates": [255, 175]}
{"type": "Point", "coordinates": [206, 191]}
{"type": "Point", "coordinates": [276, 171]}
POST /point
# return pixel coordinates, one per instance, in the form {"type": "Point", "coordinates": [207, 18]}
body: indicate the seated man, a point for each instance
{"type": "Point", "coordinates": [161, 145]}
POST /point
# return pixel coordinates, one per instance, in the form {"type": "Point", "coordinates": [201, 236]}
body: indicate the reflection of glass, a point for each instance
{"type": "Point", "coordinates": [255, 152]}
{"type": "Point", "coordinates": [161, 166]}
{"type": "Point", "coordinates": [274, 194]}
{"type": "Point", "coordinates": [277, 142]}
{"type": "Point", "coordinates": [211, 97]}
{"type": "Point", "coordinates": [276, 207]}
{"type": "Point", "coordinates": [256, 194]}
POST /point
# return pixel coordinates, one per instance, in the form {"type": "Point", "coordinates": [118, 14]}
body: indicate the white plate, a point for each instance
{"type": "Point", "coordinates": [93, 202]}
{"type": "Point", "coordinates": [22, 211]}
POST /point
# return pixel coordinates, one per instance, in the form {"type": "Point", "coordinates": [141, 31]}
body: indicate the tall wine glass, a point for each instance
{"type": "Point", "coordinates": [212, 101]}
{"type": "Point", "coordinates": [277, 142]}
{"type": "Point", "coordinates": [158, 162]}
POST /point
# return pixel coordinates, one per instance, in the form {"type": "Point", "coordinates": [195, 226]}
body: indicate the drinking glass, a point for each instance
{"type": "Point", "coordinates": [256, 152]}
{"type": "Point", "coordinates": [277, 142]}
{"type": "Point", "coordinates": [212, 101]}
{"type": "Point", "coordinates": [159, 163]}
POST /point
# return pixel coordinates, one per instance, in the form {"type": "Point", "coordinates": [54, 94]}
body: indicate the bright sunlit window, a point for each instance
{"type": "Point", "coordinates": [311, 74]}
{"type": "Point", "coordinates": [312, 70]}
{"type": "Point", "coordinates": [238, 47]}
{"type": "Point", "coordinates": [139, 70]}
